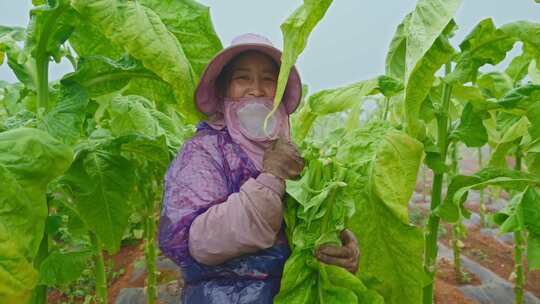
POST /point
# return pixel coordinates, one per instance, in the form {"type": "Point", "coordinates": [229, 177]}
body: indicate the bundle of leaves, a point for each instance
{"type": "Point", "coordinates": [361, 180]}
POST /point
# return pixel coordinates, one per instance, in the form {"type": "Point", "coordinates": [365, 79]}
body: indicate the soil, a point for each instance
{"type": "Point", "coordinates": [496, 256]}
{"type": "Point", "coordinates": [446, 293]}
{"type": "Point", "coordinates": [447, 284]}
{"type": "Point", "coordinates": [125, 259]}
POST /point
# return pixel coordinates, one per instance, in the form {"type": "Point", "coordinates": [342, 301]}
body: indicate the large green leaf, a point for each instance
{"type": "Point", "coordinates": [532, 159]}
{"type": "Point", "coordinates": [332, 101]}
{"type": "Point", "coordinates": [515, 132]}
{"type": "Point", "coordinates": [296, 30]}
{"type": "Point", "coordinates": [488, 45]}
{"type": "Point", "coordinates": [140, 31]}
{"type": "Point", "coordinates": [9, 36]}
{"type": "Point", "coordinates": [534, 72]}
{"type": "Point", "coordinates": [521, 97]}
{"type": "Point", "coordinates": [471, 130]}
{"type": "Point", "coordinates": [510, 218]}
{"type": "Point", "coordinates": [144, 149]}
{"type": "Point", "coordinates": [341, 99]}
{"type": "Point", "coordinates": [475, 96]}
{"type": "Point", "coordinates": [301, 123]}
{"type": "Point", "coordinates": [66, 118]}
{"type": "Point", "coordinates": [22, 65]}
{"type": "Point", "coordinates": [17, 275]}
{"type": "Point", "coordinates": [129, 115]}
{"type": "Point", "coordinates": [527, 32]}
{"type": "Point", "coordinates": [101, 182]}
{"type": "Point", "coordinates": [484, 45]}
{"type": "Point", "coordinates": [394, 172]}
{"type": "Point", "coordinates": [101, 75]}
{"type": "Point", "coordinates": [420, 81]}
{"type": "Point", "coordinates": [175, 131]}
{"type": "Point", "coordinates": [533, 114]}
{"type": "Point", "coordinates": [425, 31]}
{"type": "Point", "coordinates": [134, 115]}
{"type": "Point", "coordinates": [157, 91]}
{"type": "Point", "coordinates": [395, 58]}
{"type": "Point", "coordinates": [29, 160]}
{"type": "Point", "coordinates": [495, 84]}
{"type": "Point", "coordinates": [191, 24]}
{"type": "Point", "coordinates": [28, 154]}
{"type": "Point", "coordinates": [384, 164]}
{"type": "Point", "coordinates": [517, 69]}
{"type": "Point", "coordinates": [429, 20]}
{"type": "Point", "coordinates": [523, 214]}
{"type": "Point", "coordinates": [87, 40]}
{"type": "Point", "coordinates": [533, 251]}
{"type": "Point", "coordinates": [298, 281]}
{"type": "Point", "coordinates": [390, 86]}
{"type": "Point", "coordinates": [63, 268]}
{"type": "Point", "coordinates": [50, 26]}
{"type": "Point", "coordinates": [452, 206]}
{"type": "Point", "coordinates": [10, 98]}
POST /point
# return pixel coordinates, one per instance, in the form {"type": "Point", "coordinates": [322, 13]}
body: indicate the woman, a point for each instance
{"type": "Point", "coordinates": [222, 219]}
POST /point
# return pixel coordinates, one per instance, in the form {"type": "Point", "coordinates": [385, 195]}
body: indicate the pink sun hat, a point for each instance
{"type": "Point", "coordinates": [207, 99]}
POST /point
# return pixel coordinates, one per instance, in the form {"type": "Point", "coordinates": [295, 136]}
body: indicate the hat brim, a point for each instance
{"type": "Point", "coordinates": [207, 98]}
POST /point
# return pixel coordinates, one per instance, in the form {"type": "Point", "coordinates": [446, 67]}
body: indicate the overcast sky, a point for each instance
{"type": "Point", "coordinates": [349, 45]}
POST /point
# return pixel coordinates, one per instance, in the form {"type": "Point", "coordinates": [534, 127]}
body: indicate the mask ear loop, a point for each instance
{"type": "Point", "coordinates": [268, 137]}
{"type": "Point", "coordinates": [279, 120]}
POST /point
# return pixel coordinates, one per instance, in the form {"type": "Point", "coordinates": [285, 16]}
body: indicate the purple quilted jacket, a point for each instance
{"type": "Point", "coordinates": [209, 168]}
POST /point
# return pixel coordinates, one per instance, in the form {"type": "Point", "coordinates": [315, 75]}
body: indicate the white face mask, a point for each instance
{"type": "Point", "coordinates": [245, 120]}
{"type": "Point", "coordinates": [251, 118]}
{"type": "Point", "coordinates": [247, 116]}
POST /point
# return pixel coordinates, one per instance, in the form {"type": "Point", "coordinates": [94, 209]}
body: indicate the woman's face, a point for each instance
{"type": "Point", "coordinates": [252, 74]}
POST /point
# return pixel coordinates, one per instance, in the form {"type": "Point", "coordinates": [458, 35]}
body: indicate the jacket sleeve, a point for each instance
{"type": "Point", "coordinates": [247, 222]}
{"type": "Point", "coordinates": [200, 218]}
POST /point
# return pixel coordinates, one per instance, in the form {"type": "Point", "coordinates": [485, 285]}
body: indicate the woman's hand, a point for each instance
{"type": "Point", "coordinates": [283, 160]}
{"type": "Point", "coordinates": [346, 256]}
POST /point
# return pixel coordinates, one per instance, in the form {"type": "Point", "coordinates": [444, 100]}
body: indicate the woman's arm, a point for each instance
{"type": "Point", "coordinates": [200, 219]}
{"type": "Point", "coordinates": [247, 222]}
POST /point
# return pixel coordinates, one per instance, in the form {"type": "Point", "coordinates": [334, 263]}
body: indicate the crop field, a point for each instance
{"type": "Point", "coordinates": [439, 180]}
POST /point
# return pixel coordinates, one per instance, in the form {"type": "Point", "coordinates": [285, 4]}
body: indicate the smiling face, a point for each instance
{"type": "Point", "coordinates": [251, 74]}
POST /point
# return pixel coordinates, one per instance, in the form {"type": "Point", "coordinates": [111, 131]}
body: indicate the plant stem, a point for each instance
{"type": "Point", "coordinates": [457, 251]}
{"type": "Point", "coordinates": [456, 234]}
{"type": "Point", "coordinates": [42, 70]}
{"type": "Point", "coordinates": [307, 118]}
{"type": "Point", "coordinates": [482, 206]}
{"type": "Point", "coordinates": [518, 267]}
{"type": "Point", "coordinates": [386, 107]}
{"type": "Point", "coordinates": [40, 292]}
{"type": "Point", "coordinates": [430, 253]}
{"type": "Point", "coordinates": [424, 181]}
{"type": "Point", "coordinates": [518, 249]}
{"type": "Point", "coordinates": [42, 58]}
{"type": "Point", "coordinates": [325, 222]}
{"type": "Point", "coordinates": [150, 253]}
{"type": "Point", "coordinates": [99, 271]}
